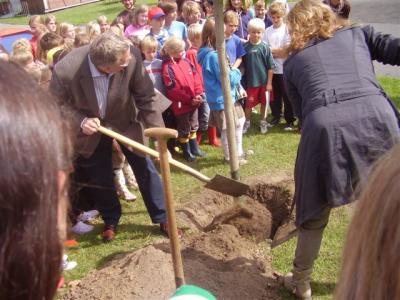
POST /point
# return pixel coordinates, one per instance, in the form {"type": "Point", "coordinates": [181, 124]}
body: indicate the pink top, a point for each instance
{"type": "Point", "coordinates": [139, 31]}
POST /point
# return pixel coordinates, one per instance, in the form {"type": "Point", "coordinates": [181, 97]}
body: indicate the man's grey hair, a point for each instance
{"type": "Point", "coordinates": [107, 48]}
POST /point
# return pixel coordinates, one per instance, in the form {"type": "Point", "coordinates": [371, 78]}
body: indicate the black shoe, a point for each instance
{"type": "Point", "coordinates": [274, 121]}
{"type": "Point", "coordinates": [171, 143]}
{"type": "Point", "coordinates": [187, 154]}
{"type": "Point", "coordinates": [194, 148]}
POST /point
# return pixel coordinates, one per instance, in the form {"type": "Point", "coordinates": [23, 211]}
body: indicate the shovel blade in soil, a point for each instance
{"type": "Point", "coordinates": [227, 186]}
{"type": "Point", "coordinates": [284, 233]}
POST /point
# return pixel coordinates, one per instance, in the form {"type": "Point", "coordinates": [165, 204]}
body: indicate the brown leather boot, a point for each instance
{"type": "Point", "coordinates": [109, 233]}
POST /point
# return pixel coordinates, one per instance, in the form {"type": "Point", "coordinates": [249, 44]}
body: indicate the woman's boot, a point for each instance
{"type": "Point", "coordinates": [298, 283]}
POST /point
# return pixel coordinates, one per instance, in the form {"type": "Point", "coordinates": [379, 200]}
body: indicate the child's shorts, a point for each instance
{"type": "Point", "coordinates": [255, 95]}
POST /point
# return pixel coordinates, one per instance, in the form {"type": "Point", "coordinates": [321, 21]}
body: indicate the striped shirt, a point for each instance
{"type": "Point", "coordinates": [101, 82]}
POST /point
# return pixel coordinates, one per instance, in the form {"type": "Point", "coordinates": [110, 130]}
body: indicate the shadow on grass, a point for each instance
{"type": "Point", "coordinates": [280, 128]}
{"type": "Point", "coordinates": [124, 232]}
{"type": "Point", "coordinates": [322, 288]}
{"type": "Point", "coordinates": [319, 289]}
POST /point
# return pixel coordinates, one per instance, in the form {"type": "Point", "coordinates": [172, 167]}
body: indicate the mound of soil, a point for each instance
{"type": "Point", "coordinates": [225, 258]}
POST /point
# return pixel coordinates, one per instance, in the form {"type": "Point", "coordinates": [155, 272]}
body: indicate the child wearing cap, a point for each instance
{"type": "Point", "coordinates": [157, 30]}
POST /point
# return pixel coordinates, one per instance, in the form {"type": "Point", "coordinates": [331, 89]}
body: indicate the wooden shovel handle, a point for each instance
{"type": "Point", "coordinates": [146, 150]}
{"type": "Point", "coordinates": [161, 135]}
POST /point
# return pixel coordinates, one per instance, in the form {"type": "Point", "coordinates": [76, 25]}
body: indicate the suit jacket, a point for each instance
{"type": "Point", "coordinates": [131, 102]}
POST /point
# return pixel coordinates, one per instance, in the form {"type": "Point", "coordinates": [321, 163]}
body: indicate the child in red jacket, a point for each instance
{"type": "Point", "coordinates": [184, 88]}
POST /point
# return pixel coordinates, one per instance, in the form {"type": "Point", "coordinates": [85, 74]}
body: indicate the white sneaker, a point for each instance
{"type": "Point", "coordinates": [249, 152]}
{"type": "Point", "coordinates": [263, 127]}
{"type": "Point", "coordinates": [242, 161]}
{"type": "Point", "coordinates": [88, 215]}
{"type": "Point", "coordinates": [82, 228]}
{"type": "Point", "coordinates": [246, 126]}
{"type": "Point", "coordinates": [68, 265]}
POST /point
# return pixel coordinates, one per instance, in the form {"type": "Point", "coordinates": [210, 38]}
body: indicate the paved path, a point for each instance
{"type": "Point", "coordinates": [384, 15]}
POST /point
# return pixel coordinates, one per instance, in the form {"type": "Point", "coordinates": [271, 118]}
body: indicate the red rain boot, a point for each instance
{"type": "Point", "coordinates": [212, 137]}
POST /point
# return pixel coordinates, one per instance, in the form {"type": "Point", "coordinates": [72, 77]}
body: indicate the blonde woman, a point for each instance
{"type": "Point", "coordinates": [347, 121]}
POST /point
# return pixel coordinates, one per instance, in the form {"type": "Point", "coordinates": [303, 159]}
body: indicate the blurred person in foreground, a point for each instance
{"type": "Point", "coordinates": [371, 256]}
{"type": "Point", "coordinates": [347, 121]}
{"type": "Point", "coordinates": [35, 159]}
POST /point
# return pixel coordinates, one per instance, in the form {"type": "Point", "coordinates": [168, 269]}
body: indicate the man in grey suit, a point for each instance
{"type": "Point", "coordinates": [105, 83]}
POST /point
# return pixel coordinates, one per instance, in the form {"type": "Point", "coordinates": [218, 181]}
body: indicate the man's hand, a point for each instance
{"type": "Point", "coordinates": [90, 126]}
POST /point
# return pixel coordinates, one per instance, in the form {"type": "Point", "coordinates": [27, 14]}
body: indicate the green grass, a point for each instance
{"type": "Point", "coordinates": [392, 88]}
{"type": "Point", "coordinates": [274, 152]}
{"type": "Point", "coordinates": [80, 15]}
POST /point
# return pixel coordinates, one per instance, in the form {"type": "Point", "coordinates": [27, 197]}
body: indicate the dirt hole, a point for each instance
{"type": "Point", "coordinates": [256, 216]}
{"type": "Point", "coordinates": [277, 198]}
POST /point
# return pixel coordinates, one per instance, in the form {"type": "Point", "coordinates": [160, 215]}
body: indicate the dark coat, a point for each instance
{"type": "Point", "coordinates": [347, 120]}
{"type": "Point", "coordinates": [131, 103]}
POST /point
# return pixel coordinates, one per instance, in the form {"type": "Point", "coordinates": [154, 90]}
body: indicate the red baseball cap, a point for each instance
{"type": "Point", "coordinates": [155, 13]}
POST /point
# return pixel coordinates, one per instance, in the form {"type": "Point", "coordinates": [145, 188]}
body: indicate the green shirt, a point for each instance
{"type": "Point", "coordinates": [257, 61]}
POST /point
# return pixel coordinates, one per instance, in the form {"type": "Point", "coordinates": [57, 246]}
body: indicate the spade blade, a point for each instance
{"type": "Point", "coordinates": [227, 186]}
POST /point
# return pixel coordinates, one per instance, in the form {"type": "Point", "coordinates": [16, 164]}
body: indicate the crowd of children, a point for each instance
{"type": "Point", "coordinates": [177, 41]}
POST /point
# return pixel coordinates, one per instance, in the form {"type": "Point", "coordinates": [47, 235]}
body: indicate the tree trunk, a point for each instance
{"type": "Point", "coordinates": [226, 88]}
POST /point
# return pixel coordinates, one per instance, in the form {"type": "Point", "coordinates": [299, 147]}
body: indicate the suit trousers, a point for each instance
{"type": "Point", "coordinates": [95, 180]}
